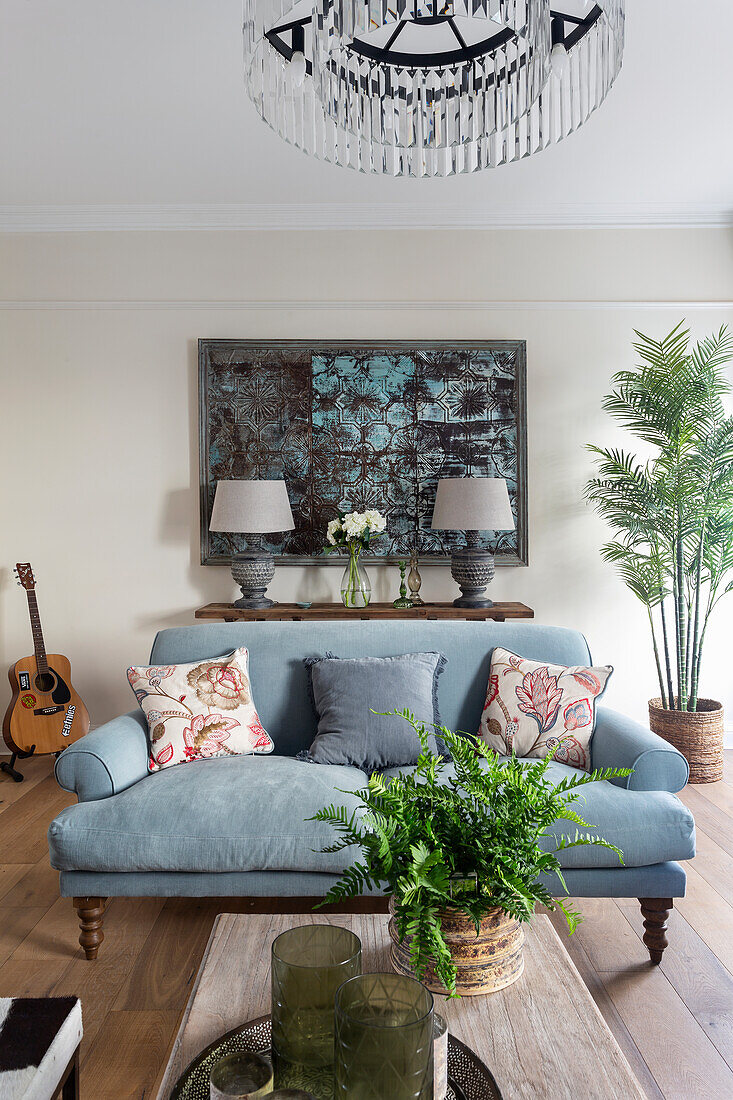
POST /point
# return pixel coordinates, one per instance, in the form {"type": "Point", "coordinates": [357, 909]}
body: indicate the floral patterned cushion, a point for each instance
{"type": "Point", "coordinates": [533, 709]}
{"type": "Point", "coordinates": [200, 710]}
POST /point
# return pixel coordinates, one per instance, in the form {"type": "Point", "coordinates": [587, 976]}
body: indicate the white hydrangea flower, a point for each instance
{"type": "Point", "coordinates": [333, 527]}
{"type": "Point", "coordinates": [375, 521]}
{"type": "Point", "coordinates": [354, 525]}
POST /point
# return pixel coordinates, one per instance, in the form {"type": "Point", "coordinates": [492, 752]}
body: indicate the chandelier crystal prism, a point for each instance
{"type": "Point", "coordinates": [429, 87]}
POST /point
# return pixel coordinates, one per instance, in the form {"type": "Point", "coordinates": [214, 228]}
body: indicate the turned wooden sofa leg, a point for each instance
{"type": "Point", "coordinates": [655, 912]}
{"type": "Point", "coordinates": [91, 914]}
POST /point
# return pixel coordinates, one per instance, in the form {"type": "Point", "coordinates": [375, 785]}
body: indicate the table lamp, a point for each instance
{"type": "Point", "coordinates": [472, 504]}
{"type": "Point", "coordinates": [252, 508]}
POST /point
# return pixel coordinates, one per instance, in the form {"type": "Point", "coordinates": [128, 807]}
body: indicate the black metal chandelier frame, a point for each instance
{"type": "Point", "coordinates": [385, 55]}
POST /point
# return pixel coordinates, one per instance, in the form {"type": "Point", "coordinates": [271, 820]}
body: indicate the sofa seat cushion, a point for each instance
{"type": "Point", "coordinates": [240, 813]}
{"type": "Point", "coordinates": [648, 826]}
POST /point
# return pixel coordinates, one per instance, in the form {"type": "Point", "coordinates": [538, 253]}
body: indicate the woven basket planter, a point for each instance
{"type": "Point", "coordinates": [697, 734]}
{"type": "Point", "coordinates": [486, 963]}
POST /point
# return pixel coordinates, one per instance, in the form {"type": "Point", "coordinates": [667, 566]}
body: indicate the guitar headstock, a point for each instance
{"type": "Point", "coordinates": [24, 573]}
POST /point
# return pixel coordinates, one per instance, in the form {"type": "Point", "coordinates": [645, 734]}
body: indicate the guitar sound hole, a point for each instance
{"type": "Point", "coordinates": [44, 681]}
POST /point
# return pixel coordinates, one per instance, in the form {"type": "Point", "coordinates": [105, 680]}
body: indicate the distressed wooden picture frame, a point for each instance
{"type": "Point", "coordinates": [356, 425]}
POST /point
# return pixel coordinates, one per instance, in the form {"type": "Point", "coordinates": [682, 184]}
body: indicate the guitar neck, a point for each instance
{"type": "Point", "coordinates": [38, 643]}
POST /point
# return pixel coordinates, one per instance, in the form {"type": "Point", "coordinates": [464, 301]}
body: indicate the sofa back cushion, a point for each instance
{"type": "Point", "coordinates": [277, 649]}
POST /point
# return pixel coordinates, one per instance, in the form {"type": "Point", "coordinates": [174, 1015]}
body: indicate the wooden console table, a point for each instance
{"type": "Point", "coordinates": [320, 611]}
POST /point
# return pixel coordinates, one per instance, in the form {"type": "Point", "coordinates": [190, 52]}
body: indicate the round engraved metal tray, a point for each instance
{"type": "Point", "coordinates": [468, 1077]}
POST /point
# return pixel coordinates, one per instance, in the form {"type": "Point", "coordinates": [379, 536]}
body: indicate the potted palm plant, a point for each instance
{"type": "Point", "coordinates": [672, 515]}
{"type": "Point", "coordinates": [460, 857]}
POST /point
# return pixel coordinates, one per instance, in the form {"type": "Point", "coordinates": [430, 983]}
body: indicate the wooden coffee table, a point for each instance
{"type": "Point", "coordinates": [543, 1037]}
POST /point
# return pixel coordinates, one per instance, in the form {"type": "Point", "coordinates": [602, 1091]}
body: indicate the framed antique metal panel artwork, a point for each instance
{"type": "Point", "coordinates": [359, 425]}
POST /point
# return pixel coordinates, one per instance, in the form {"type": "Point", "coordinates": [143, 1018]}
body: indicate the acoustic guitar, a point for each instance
{"type": "Point", "coordinates": [45, 713]}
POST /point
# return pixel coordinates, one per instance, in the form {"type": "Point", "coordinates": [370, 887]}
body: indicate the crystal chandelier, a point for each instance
{"type": "Point", "coordinates": [429, 87]}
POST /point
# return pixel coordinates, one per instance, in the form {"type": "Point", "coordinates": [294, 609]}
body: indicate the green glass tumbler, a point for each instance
{"type": "Point", "coordinates": [384, 1039]}
{"type": "Point", "coordinates": [309, 964]}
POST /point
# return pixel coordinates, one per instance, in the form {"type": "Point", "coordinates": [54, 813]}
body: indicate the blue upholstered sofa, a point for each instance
{"type": "Point", "coordinates": [236, 826]}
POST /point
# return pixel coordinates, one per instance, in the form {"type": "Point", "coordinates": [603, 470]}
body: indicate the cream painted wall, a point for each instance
{"type": "Point", "coordinates": [99, 410]}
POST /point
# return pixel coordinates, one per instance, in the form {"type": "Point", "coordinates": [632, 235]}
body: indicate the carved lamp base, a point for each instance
{"type": "Point", "coordinates": [253, 570]}
{"type": "Point", "coordinates": [472, 569]}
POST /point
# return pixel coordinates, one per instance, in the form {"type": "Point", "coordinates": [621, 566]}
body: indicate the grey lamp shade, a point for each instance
{"type": "Point", "coordinates": [472, 504]}
{"type": "Point", "coordinates": [251, 507]}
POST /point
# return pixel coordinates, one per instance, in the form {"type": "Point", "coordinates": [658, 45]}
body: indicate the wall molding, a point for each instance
{"type": "Point", "coordinates": [356, 216]}
{"type": "Point", "coordinates": [285, 305]}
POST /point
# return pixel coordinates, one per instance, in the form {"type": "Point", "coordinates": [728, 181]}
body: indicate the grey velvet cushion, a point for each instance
{"type": "Point", "coordinates": [346, 692]}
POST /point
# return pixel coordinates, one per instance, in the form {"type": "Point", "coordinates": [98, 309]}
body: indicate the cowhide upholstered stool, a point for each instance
{"type": "Point", "coordinates": [39, 1047]}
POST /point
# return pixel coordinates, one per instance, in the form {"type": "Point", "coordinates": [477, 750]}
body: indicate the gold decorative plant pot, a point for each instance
{"type": "Point", "coordinates": [485, 962]}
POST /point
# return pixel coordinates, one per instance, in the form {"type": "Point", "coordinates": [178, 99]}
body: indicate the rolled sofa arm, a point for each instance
{"type": "Point", "coordinates": [107, 760]}
{"type": "Point", "coordinates": [620, 742]}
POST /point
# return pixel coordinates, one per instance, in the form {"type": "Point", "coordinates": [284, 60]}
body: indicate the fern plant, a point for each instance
{"type": "Point", "coordinates": [672, 512]}
{"type": "Point", "coordinates": [472, 841]}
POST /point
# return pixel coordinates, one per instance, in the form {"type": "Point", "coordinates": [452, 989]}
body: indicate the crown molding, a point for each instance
{"type": "Point", "coordinates": [354, 216]}
{"type": "Point", "coordinates": [286, 305]}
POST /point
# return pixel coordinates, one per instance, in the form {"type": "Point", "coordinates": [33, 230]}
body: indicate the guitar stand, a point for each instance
{"type": "Point", "coordinates": [10, 767]}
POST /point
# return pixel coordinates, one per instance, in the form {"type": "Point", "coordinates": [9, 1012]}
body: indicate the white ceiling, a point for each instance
{"type": "Point", "coordinates": [133, 113]}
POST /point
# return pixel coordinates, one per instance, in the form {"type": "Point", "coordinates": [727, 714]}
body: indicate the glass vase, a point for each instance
{"type": "Point", "coordinates": [414, 581]}
{"type": "Point", "coordinates": [384, 1039]}
{"type": "Point", "coordinates": [356, 589]}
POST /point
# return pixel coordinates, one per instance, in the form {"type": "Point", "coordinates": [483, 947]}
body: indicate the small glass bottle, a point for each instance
{"type": "Point", "coordinates": [414, 580]}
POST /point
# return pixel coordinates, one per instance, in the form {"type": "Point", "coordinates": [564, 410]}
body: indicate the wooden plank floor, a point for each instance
{"type": "Point", "coordinates": [674, 1022]}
